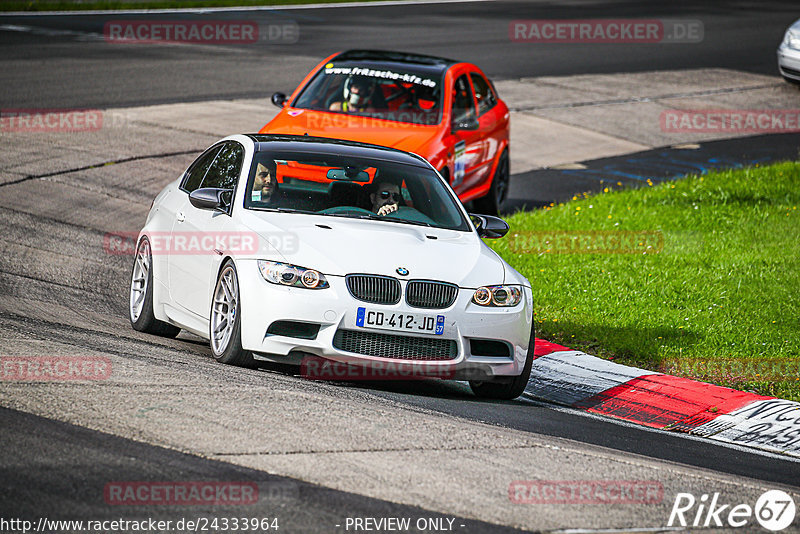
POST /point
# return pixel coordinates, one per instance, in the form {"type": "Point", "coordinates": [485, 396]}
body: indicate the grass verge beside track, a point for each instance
{"type": "Point", "coordinates": [86, 5]}
{"type": "Point", "coordinates": [698, 277]}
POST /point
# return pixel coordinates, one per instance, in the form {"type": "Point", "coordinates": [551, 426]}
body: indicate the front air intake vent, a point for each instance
{"type": "Point", "coordinates": [395, 347]}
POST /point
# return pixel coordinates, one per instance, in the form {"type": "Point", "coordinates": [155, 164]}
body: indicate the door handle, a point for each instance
{"type": "Point", "coordinates": [180, 216]}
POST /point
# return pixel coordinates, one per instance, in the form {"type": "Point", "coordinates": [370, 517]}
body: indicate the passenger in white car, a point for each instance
{"type": "Point", "coordinates": [265, 183]}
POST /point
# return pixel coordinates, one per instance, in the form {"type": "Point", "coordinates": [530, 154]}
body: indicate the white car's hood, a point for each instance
{"type": "Point", "coordinates": [339, 246]}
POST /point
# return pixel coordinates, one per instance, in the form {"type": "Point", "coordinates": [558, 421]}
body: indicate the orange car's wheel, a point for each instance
{"type": "Point", "coordinates": [490, 204]}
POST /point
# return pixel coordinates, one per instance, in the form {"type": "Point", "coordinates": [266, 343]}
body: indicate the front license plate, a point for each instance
{"type": "Point", "coordinates": [400, 322]}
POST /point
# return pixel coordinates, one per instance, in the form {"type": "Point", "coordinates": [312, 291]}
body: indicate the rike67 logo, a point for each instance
{"type": "Point", "coordinates": [774, 510]}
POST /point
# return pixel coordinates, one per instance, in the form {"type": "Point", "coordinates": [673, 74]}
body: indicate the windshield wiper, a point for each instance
{"type": "Point", "coordinates": [416, 223]}
{"type": "Point", "coordinates": [374, 217]}
{"type": "Point", "coordinates": [364, 216]}
{"type": "Point", "coordinates": [285, 210]}
{"type": "Point", "coordinates": [370, 216]}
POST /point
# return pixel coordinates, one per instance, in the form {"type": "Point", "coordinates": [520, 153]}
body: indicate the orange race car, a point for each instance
{"type": "Point", "coordinates": [446, 111]}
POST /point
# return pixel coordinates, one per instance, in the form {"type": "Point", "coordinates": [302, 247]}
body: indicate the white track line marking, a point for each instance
{"type": "Point", "coordinates": [618, 530]}
{"type": "Point", "coordinates": [200, 10]}
{"type": "Point", "coordinates": [49, 32]}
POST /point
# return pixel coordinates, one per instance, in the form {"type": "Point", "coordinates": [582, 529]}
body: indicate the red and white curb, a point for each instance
{"type": "Point", "coordinates": [576, 379]}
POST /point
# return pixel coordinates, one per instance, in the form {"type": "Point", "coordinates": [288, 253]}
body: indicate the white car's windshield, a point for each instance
{"type": "Point", "coordinates": [384, 93]}
{"type": "Point", "coordinates": [351, 187]}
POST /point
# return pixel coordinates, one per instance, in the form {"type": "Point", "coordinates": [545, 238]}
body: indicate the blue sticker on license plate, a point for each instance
{"type": "Point", "coordinates": [360, 316]}
{"type": "Point", "coordinates": [439, 325]}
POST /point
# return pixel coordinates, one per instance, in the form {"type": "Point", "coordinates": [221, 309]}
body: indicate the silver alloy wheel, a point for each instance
{"type": "Point", "coordinates": [224, 309]}
{"type": "Point", "coordinates": [139, 278]}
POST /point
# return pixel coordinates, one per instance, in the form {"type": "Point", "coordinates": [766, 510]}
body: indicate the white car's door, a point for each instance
{"type": "Point", "coordinates": [196, 233]}
{"type": "Point", "coordinates": [160, 224]}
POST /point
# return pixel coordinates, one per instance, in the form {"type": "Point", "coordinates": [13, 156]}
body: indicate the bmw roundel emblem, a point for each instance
{"type": "Point", "coordinates": [402, 271]}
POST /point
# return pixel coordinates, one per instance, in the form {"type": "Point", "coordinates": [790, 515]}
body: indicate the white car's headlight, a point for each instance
{"type": "Point", "coordinates": [792, 40]}
{"type": "Point", "coordinates": [504, 296]}
{"type": "Point", "coordinates": [291, 275]}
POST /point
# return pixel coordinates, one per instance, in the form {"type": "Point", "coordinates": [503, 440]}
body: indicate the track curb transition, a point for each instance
{"type": "Point", "coordinates": [573, 378]}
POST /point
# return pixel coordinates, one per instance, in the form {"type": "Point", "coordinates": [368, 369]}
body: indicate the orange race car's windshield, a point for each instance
{"type": "Point", "coordinates": [388, 93]}
{"type": "Point", "coordinates": [351, 187]}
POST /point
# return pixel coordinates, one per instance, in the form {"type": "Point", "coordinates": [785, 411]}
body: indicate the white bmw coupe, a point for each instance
{"type": "Point", "coordinates": [280, 248]}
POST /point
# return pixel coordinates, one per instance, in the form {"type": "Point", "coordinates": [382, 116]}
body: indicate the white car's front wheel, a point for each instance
{"type": "Point", "coordinates": [506, 388]}
{"type": "Point", "coordinates": [140, 302]}
{"type": "Point", "coordinates": [226, 321]}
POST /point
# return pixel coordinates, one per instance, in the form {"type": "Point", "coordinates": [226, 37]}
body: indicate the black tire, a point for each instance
{"type": "Point", "coordinates": [792, 81]}
{"type": "Point", "coordinates": [491, 202]}
{"type": "Point", "coordinates": [232, 353]}
{"type": "Point", "coordinates": [146, 321]}
{"type": "Point", "coordinates": [506, 388]}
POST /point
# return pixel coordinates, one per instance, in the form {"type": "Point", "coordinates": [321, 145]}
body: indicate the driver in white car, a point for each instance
{"type": "Point", "coordinates": [386, 198]}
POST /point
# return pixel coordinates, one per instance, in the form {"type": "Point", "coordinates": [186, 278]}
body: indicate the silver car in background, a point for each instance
{"type": "Point", "coordinates": [789, 54]}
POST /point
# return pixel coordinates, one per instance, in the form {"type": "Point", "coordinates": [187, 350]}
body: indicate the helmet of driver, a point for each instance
{"type": "Point", "coordinates": [358, 90]}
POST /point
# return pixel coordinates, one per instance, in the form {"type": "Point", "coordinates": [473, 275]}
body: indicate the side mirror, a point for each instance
{"type": "Point", "coordinates": [279, 99]}
{"type": "Point", "coordinates": [489, 226]}
{"type": "Point", "coordinates": [466, 123]}
{"type": "Point", "coordinates": [209, 198]}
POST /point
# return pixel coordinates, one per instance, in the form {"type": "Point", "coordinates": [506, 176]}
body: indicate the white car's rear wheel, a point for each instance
{"type": "Point", "coordinates": [226, 321]}
{"type": "Point", "coordinates": [140, 302]}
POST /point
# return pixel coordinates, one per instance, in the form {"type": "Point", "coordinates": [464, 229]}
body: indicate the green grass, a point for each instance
{"type": "Point", "coordinates": [81, 5]}
{"type": "Point", "coordinates": [721, 294]}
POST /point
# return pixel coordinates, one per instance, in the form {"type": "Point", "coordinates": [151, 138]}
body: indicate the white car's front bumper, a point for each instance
{"type": "Point", "coordinates": [334, 309]}
{"type": "Point", "coordinates": [789, 62]}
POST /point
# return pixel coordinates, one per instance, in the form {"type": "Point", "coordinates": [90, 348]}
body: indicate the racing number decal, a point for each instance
{"type": "Point", "coordinates": [459, 163]}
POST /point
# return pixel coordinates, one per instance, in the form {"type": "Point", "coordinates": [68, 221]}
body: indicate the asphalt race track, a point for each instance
{"type": "Point", "coordinates": [319, 452]}
{"type": "Point", "coordinates": [71, 71]}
